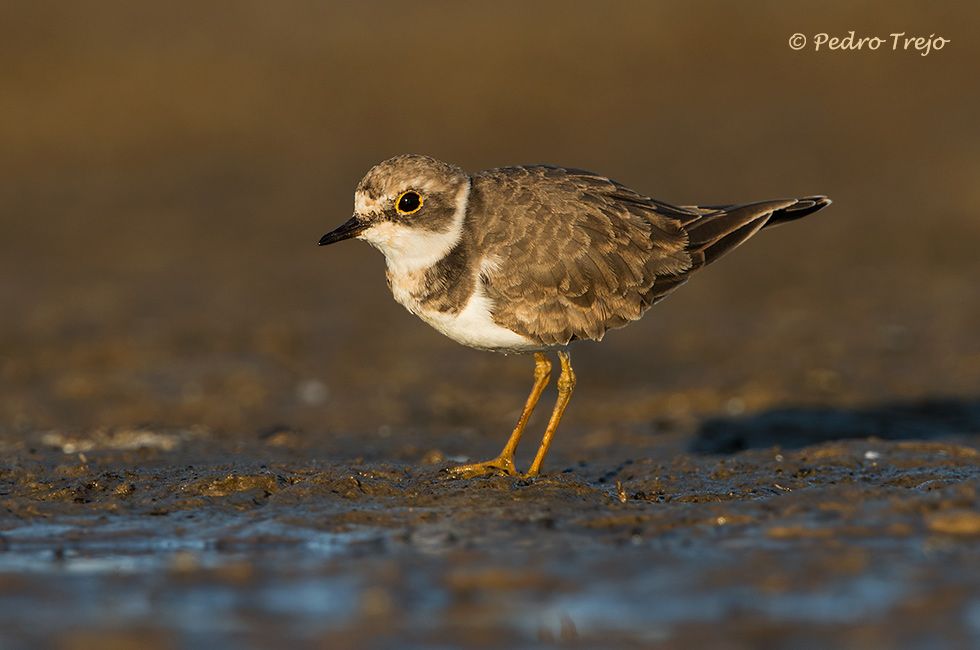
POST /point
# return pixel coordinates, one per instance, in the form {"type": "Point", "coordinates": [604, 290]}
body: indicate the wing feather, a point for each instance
{"type": "Point", "coordinates": [576, 254]}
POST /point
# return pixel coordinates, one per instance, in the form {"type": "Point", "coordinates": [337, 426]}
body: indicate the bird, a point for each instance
{"type": "Point", "coordinates": [533, 258]}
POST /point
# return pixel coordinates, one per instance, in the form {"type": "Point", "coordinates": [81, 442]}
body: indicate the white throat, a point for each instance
{"type": "Point", "coordinates": [410, 250]}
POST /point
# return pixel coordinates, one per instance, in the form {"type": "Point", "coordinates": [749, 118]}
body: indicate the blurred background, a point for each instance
{"type": "Point", "coordinates": [166, 170]}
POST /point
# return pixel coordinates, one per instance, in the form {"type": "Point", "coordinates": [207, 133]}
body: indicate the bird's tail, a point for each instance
{"type": "Point", "coordinates": [715, 230]}
{"type": "Point", "coordinates": [800, 209]}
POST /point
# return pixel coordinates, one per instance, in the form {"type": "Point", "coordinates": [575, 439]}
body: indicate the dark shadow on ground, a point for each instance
{"type": "Point", "coordinates": [794, 428]}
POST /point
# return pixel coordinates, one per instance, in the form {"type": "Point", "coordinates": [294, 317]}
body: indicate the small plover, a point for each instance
{"type": "Point", "coordinates": [530, 259]}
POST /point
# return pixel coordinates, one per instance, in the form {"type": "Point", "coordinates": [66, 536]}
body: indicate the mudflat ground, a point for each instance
{"type": "Point", "coordinates": [215, 435]}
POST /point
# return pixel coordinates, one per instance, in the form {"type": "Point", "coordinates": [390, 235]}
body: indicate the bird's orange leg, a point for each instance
{"type": "Point", "coordinates": [504, 463]}
{"type": "Point", "coordinates": [566, 384]}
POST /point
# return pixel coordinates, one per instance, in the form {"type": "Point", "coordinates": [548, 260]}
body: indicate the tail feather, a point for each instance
{"type": "Point", "coordinates": [718, 247]}
{"type": "Point", "coordinates": [718, 229]}
{"type": "Point", "coordinates": [802, 208]}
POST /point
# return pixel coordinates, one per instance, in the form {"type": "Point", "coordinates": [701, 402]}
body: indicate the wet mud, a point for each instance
{"type": "Point", "coordinates": [214, 434]}
{"type": "Point", "coordinates": [173, 539]}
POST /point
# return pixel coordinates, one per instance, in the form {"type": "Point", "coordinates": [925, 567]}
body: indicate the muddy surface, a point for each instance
{"type": "Point", "coordinates": [215, 435]}
{"type": "Point", "coordinates": [171, 540]}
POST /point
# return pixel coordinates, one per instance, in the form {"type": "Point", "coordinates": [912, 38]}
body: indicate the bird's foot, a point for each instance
{"type": "Point", "coordinates": [500, 466]}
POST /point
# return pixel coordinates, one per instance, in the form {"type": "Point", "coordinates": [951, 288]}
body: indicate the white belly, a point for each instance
{"type": "Point", "coordinates": [474, 327]}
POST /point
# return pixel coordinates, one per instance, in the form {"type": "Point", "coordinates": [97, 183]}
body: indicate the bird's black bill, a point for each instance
{"type": "Point", "coordinates": [351, 228]}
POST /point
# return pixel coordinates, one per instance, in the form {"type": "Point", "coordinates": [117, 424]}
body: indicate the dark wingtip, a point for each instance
{"type": "Point", "coordinates": [800, 209]}
{"type": "Point", "coordinates": [810, 204]}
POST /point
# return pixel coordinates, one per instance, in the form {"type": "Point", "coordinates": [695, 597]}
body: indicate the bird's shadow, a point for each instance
{"type": "Point", "coordinates": [794, 428]}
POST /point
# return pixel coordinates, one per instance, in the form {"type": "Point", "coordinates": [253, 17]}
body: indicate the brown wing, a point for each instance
{"type": "Point", "coordinates": [573, 254]}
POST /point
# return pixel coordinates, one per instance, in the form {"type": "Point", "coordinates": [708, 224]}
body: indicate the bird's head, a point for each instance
{"type": "Point", "coordinates": [410, 207]}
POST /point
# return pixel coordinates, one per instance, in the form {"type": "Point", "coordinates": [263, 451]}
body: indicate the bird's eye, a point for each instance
{"type": "Point", "coordinates": [409, 202]}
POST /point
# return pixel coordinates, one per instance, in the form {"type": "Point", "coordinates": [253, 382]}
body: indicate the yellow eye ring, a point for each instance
{"type": "Point", "coordinates": [408, 202]}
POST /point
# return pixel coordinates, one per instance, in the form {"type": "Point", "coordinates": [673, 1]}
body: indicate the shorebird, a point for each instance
{"type": "Point", "coordinates": [532, 258]}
